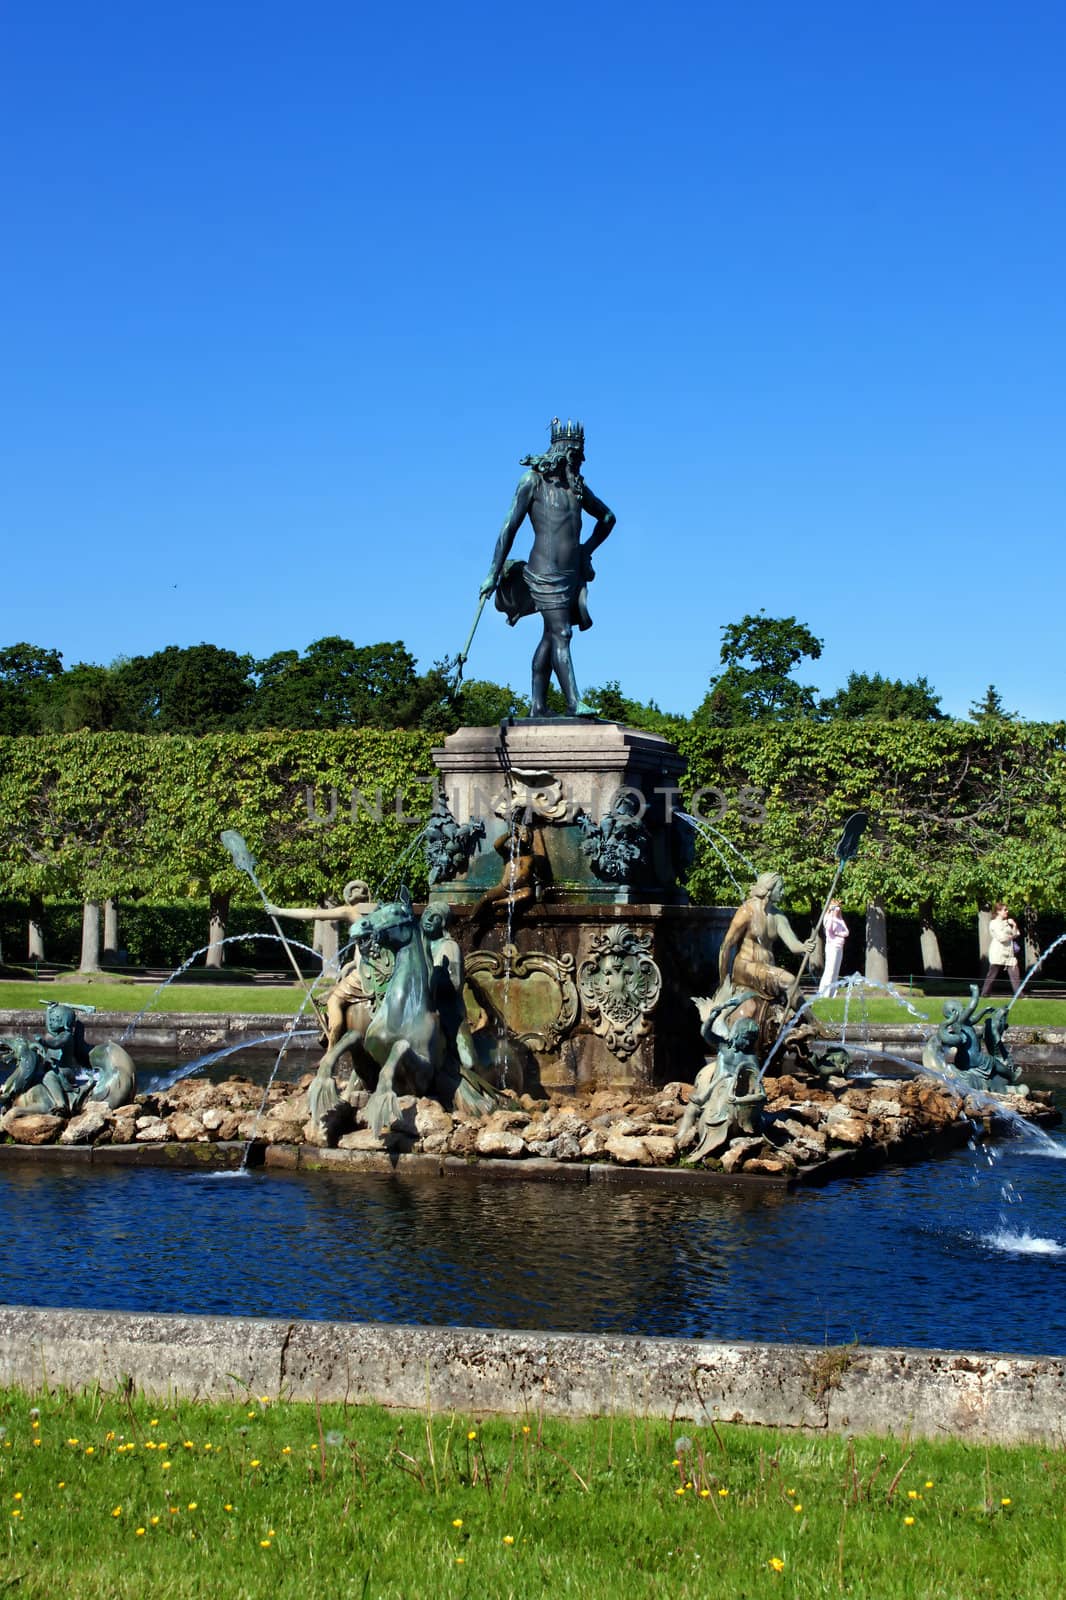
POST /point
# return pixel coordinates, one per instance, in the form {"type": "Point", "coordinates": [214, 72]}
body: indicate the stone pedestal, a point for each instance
{"type": "Point", "coordinates": [552, 772]}
{"type": "Point", "coordinates": [558, 992]}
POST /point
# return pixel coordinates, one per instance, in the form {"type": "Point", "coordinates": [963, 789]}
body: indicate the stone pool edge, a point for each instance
{"type": "Point", "coordinates": [1003, 1399]}
{"type": "Point", "coordinates": [227, 1155]}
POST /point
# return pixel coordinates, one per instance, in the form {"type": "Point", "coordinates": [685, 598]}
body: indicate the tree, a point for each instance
{"type": "Point", "coordinates": [337, 684]}
{"type": "Point", "coordinates": [759, 654]}
{"type": "Point", "coordinates": [24, 670]}
{"type": "Point", "coordinates": [193, 689]}
{"type": "Point", "coordinates": [991, 708]}
{"type": "Point", "coordinates": [480, 703]}
{"type": "Point", "coordinates": [610, 703]}
{"type": "Point", "coordinates": [887, 699]}
{"type": "Point", "coordinates": [85, 698]}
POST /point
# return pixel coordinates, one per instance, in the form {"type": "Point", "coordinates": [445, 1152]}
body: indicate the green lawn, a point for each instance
{"type": "Point", "coordinates": [110, 994]}
{"type": "Point", "coordinates": [118, 1499]}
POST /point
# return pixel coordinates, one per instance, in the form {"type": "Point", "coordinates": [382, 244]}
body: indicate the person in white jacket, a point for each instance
{"type": "Point", "coordinates": [1003, 941]}
{"type": "Point", "coordinates": [835, 930]}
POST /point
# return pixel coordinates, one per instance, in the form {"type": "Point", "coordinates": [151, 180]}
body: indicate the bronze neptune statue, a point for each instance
{"type": "Point", "coordinates": [554, 580]}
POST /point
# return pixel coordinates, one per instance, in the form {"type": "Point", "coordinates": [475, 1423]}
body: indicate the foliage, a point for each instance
{"type": "Point", "coordinates": [24, 669]}
{"type": "Point", "coordinates": [614, 706]}
{"type": "Point", "coordinates": [960, 814]}
{"type": "Point", "coordinates": [990, 707]}
{"type": "Point", "coordinates": [117, 1497]}
{"type": "Point", "coordinates": [759, 654]}
{"type": "Point", "coordinates": [199, 689]}
{"type": "Point", "coordinates": [888, 699]}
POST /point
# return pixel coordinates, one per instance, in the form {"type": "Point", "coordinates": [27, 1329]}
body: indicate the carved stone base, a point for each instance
{"type": "Point", "coordinates": [557, 987]}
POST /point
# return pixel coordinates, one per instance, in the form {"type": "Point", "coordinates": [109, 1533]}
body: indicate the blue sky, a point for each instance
{"type": "Point", "coordinates": [287, 291]}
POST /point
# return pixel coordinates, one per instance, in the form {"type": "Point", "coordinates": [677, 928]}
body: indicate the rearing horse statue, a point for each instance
{"type": "Point", "coordinates": [402, 1047]}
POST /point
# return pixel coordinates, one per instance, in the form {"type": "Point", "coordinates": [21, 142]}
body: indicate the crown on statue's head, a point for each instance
{"type": "Point", "coordinates": [570, 433]}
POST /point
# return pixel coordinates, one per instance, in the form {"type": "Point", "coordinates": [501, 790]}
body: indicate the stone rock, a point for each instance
{"type": "Point", "coordinates": [662, 1149]}
{"type": "Point", "coordinates": [87, 1127]}
{"type": "Point", "coordinates": [625, 1127]}
{"type": "Point", "coordinates": [35, 1127]}
{"type": "Point", "coordinates": [151, 1130]}
{"type": "Point", "coordinates": [679, 1092]}
{"type": "Point", "coordinates": [499, 1142]}
{"type": "Point", "coordinates": [361, 1139]}
{"type": "Point", "coordinates": [662, 1130]}
{"type": "Point", "coordinates": [432, 1121]}
{"type": "Point", "coordinates": [857, 1099]}
{"type": "Point", "coordinates": [567, 1123]}
{"type": "Point", "coordinates": [593, 1143]}
{"type": "Point", "coordinates": [185, 1127]}
{"type": "Point", "coordinates": [213, 1118]}
{"type": "Point", "coordinates": [779, 1165]}
{"type": "Point", "coordinates": [435, 1143]}
{"type": "Point", "coordinates": [627, 1150]}
{"type": "Point", "coordinates": [464, 1139]}
{"type": "Point", "coordinates": [846, 1130]}
{"type": "Point", "coordinates": [564, 1148]}
{"type": "Point", "coordinates": [739, 1151]}
{"type": "Point", "coordinates": [507, 1121]}
{"type": "Point", "coordinates": [880, 1107]}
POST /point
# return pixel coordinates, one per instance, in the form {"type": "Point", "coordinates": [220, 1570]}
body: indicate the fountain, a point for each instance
{"type": "Point", "coordinates": [560, 966]}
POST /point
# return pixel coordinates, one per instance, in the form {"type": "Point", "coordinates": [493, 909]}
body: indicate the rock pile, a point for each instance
{"type": "Point", "coordinates": [804, 1124]}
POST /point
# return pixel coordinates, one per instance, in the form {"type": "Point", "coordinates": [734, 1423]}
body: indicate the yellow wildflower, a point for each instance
{"type": "Point", "coordinates": [35, 1423]}
{"type": "Point", "coordinates": [164, 1466]}
{"type": "Point", "coordinates": [723, 1491]}
{"type": "Point", "coordinates": [928, 1483]}
{"type": "Point", "coordinates": [17, 1495]}
{"type": "Point", "coordinates": [264, 1544]}
{"type": "Point", "coordinates": [457, 1522]}
{"type": "Point", "coordinates": [912, 1494]}
{"type": "Point", "coordinates": [1005, 1502]}
{"type": "Point", "coordinates": [140, 1532]}
{"type": "Point", "coordinates": [154, 1521]}
{"type": "Point", "coordinates": [908, 1522]}
{"type": "Point", "coordinates": [154, 1422]}
{"type": "Point", "coordinates": [117, 1512]}
{"type": "Point", "coordinates": [508, 1538]}
{"type": "Point", "coordinates": [227, 1507]}
{"type": "Point", "coordinates": [90, 1450]}
{"type": "Point", "coordinates": [192, 1505]}
{"type": "Point", "coordinates": [776, 1564]}
{"type": "Point", "coordinates": [255, 1462]}
{"type": "Point", "coordinates": [797, 1508]}
{"type": "Point", "coordinates": [472, 1434]}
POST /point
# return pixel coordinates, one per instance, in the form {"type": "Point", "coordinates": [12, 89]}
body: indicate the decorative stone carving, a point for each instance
{"type": "Point", "coordinates": [448, 844]}
{"type": "Point", "coordinates": [541, 996]}
{"type": "Point", "coordinates": [620, 986]}
{"type": "Point", "coordinates": [617, 845]}
{"type": "Point", "coordinates": [537, 795]}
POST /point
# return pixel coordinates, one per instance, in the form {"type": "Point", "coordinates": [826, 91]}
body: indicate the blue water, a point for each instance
{"type": "Point", "coordinates": [967, 1251]}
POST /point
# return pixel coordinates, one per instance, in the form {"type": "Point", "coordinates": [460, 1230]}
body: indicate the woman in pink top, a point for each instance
{"type": "Point", "coordinates": [835, 930]}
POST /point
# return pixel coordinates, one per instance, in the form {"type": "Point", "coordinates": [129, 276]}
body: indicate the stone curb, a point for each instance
{"type": "Point", "coordinates": [187, 1154]}
{"type": "Point", "coordinates": [1006, 1399]}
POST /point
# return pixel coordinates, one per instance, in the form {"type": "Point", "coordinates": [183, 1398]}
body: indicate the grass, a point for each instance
{"type": "Point", "coordinates": [110, 1497]}
{"type": "Point", "coordinates": [107, 994]}
{"type": "Point", "coordinates": [120, 994]}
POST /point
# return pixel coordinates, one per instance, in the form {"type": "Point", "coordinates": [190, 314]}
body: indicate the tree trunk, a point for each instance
{"type": "Point", "coordinates": [876, 942]}
{"type": "Point", "coordinates": [90, 936]}
{"type": "Point", "coordinates": [932, 961]}
{"type": "Point", "coordinates": [328, 941]}
{"type": "Point", "coordinates": [35, 942]}
{"type": "Point", "coordinates": [110, 932]}
{"type": "Point", "coordinates": [217, 930]}
{"type": "Point", "coordinates": [1031, 946]}
{"type": "Point", "coordinates": [984, 939]}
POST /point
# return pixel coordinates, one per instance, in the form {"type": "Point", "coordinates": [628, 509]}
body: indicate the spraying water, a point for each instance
{"type": "Point", "coordinates": [233, 938]}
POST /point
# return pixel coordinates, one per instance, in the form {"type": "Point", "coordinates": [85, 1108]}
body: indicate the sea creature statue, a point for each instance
{"type": "Point", "coordinates": [986, 1063]}
{"type": "Point", "coordinates": [413, 1041]}
{"type": "Point", "coordinates": [617, 845]}
{"type": "Point", "coordinates": [449, 845]}
{"type": "Point", "coordinates": [57, 1074]}
{"type": "Point", "coordinates": [746, 962]}
{"type": "Point", "coordinates": [726, 1102]}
